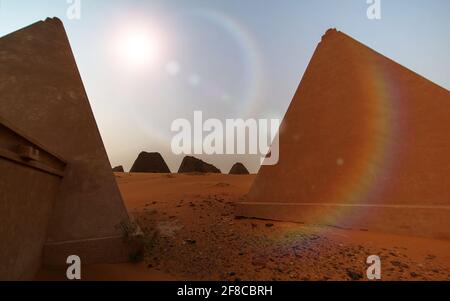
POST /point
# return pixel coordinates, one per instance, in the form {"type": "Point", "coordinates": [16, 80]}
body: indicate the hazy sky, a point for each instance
{"type": "Point", "coordinates": [228, 58]}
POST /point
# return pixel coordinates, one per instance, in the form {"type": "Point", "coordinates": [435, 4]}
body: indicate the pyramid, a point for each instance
{"type": "Point", "coordinates": [150, 163]}
{"type": "Point", "coordinates": [118, 169]}
{"type": "Point", "coordinates": [42, 97]}
{"type": "Point", "coordinates": [364, 145]}
{"type": "Point", "coordinates": [191, 164]}
{"type": "Point", "coordinates": [238, 169]}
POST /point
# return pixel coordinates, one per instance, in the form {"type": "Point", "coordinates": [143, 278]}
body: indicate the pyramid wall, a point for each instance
{"type": "Point", "coordinates": [42, 95]}
{"type": "Point", "coordinates": [28, 190]}
{"type": "Point", "coordinates": [363, 145]}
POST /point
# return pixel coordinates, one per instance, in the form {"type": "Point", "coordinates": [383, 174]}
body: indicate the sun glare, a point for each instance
{"type": "Point", "coordinates": [138, 47]}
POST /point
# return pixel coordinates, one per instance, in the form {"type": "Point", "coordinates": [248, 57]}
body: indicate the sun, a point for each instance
{"type": "Point", "coordinates": [138, 46]}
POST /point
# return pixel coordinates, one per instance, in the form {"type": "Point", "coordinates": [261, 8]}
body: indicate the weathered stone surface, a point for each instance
{"type": "Point", "coordinates": [364, 145]}
{"type": "Point", "coordinates": [191, 164]}
{"type": "Point", "coordinates": [239, 169]}
{"type": "Point", "coordinates": [29, 186]}
{"type": "Point", "coordinates": [151, 163]}
{"type": "Point", "coordinates": [42, 95]}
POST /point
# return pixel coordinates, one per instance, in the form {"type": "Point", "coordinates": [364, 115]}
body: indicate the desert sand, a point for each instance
{"type": "Point", "coordinates": [193, 235]}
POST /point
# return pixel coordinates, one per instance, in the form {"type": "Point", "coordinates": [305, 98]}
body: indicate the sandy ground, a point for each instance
{"type": "Point", "coordinates": [194, 235]}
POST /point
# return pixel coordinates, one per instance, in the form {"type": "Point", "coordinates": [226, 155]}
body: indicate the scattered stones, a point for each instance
{"type": "Point", "coordinates": [314, 237]}
{"type": "Point", "coordinates": [305, 279]}
{"type": "Point", "coordinates": [247, 248]}
{"type": "Point", "coordinates": [259, 261]}
{"type": "Point", "coordinates": [399, 264]}
{"type": "Point", "coordinates": [354, 275]}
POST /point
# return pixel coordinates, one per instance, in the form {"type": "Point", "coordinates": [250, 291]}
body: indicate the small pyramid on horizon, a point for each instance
{"type": "Point", "coordinates": [150, 163]}
{"type": "Point", "coordinates": [239, 169]}
{"type": "Point", "coordinates": [191, 164]}
{"type": "Point", "coordinates": [118, 169]}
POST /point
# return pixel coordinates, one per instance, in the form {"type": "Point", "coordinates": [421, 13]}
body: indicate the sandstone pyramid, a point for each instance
{"type": "Point", "coordinates": [151, 163]}
{"type": "Point", "coordinates": [364, 145]}
{"type": "Point", "coordinates": [43, 98]}
{"type": "Point", "coordinates": [239, 169]}
{"type": "Point", "coordinates": [118, 169]}
{"type": "Point", "coordinates": [191, 164]}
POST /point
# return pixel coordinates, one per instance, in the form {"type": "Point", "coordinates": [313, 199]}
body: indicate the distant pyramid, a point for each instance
{"type": "Point", "coordinates": [239, 169]}
{"type": "Point", "coordinates": [43, 97]}
{"type": "Point", "coordinates": [365, 145]}
{"type": "Point", "coordinates": [191, 164]}
{"type": "Point", "coordinates": [118, 169]}
{"type": "Point", "coordinates": [151, 163]}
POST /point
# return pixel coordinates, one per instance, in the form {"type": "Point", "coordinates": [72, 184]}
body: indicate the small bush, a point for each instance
{"type": "Point", "coordinates": [140, 243]}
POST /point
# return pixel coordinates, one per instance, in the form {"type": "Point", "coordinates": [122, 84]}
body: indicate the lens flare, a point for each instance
{"type": "Point", "coordinates": [138, 46]}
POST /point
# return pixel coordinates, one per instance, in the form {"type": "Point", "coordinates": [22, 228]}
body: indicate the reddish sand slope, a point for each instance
{"type": "Point", "coordinates": [198, 238]}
